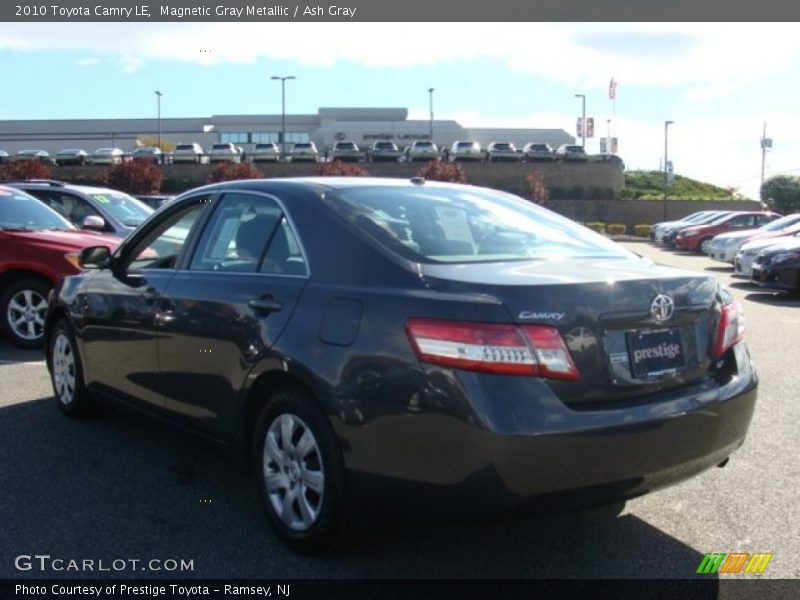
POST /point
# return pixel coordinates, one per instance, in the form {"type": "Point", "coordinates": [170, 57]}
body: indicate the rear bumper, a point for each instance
{"type": "Point", "coordinates": [505, 451]}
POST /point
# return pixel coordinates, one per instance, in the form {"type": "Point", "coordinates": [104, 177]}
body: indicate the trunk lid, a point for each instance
{"type": "Point", "coordinates": [602, 308]}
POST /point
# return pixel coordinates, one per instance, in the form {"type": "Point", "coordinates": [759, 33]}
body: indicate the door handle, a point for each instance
{"type": "Point", "coordinates": [265, 304]}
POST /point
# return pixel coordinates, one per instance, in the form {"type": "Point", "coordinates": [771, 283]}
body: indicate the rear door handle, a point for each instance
{"type": "Point", "coordinates": [265, 304]}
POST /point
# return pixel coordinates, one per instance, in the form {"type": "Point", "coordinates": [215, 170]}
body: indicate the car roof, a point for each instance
{"type": "Point", "coordinates": [84, 189]}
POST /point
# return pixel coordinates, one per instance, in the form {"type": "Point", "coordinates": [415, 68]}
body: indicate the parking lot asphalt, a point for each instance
{"type": "Point", "coordinates": [119, 487]}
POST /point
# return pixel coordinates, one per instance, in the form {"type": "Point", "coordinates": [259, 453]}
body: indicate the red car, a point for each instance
{"type": "Point", "coordinates": [37, 248]}
{"type": "Point", "coordinates": [698, 238]}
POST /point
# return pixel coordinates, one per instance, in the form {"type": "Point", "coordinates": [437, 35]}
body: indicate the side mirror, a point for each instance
{"type": "Point", "coordinates": [93, 222]}
{"type": "Point", "coordinates": [94, 257]}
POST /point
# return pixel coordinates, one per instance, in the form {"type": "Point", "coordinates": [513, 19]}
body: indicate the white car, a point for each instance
{"type": "Point", "coordinates": [725, 246]}
{"type": "Point", "coordinates": [747, 254]}
{"type": "Point", "coordinates": [107, 156]}
{"type": "Point", "coordinates": [537, 151]}
{"type": "Point", "coordinates": [188, 153]}
{"type": "Point", "coordinates": [465, 151]}
{"type": "Point", "coordinates": [224, 152]}
{"type": "Point", "coordinates": [422, 150]}
{"type": "Point", "coordinates": [384, 150]}
{"type": "Point", "coordinates": [346, 151]}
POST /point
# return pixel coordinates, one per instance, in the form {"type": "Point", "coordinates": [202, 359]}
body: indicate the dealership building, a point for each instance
{"type": "Point", "coordinates": [364, 126]}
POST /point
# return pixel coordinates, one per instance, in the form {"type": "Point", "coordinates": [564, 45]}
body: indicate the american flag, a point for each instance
{"type": "Point", "coordinates": [612, 89]}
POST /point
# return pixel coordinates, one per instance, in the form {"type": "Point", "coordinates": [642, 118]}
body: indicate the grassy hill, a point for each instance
{"type": "Point", "coordinates": [649, 185]}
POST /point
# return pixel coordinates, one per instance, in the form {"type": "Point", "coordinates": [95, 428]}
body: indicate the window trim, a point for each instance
{"type": "Point", "coordinates": [182, 264]}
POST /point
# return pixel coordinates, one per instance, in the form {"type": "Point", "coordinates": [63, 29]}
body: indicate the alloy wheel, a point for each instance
{"type": "Point", "coordinates": [64, 374]}
{"type": "Point", "coordinates": [293, 472]}
{"type": "Point", "coordinates": [26, 313]}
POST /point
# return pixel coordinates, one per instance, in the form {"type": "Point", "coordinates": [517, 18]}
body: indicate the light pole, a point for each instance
{"type": "Point", "coordinates": [430, 91]}
{"type": "Point", "coordinates": [158, 103]}
{"type": "Point", "coordinates": [666, 163]}
{"type": "Point", "coordinates": [583, 119]}
{"type": "Point", "coordinates": [283, 111]}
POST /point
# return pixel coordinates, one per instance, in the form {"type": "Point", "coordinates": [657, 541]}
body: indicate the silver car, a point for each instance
{"type": "Point", "coordinates": [422, 150]}
{"type": "Point", "coordinates": [384, 150]}
{"type": "Point", "coordinates": [497, 151]}
{"type": "Point", "coordinates": [267, 152]}
{"type": "Point", "coordinates": [534, 151]}
{"type": "Point", "coordinates": [24, 155]}
{"type": "Point", "coordinates": [465, 151]}
{"type": "Point", "coordinates": [150, 152]}
{"type": "Point", "coordinates": [747, 254]}
{"type": "Point", "coordinates": [571, 152]}
{"type": "Point", "coordinates": [188, 153]}
{"type": "Point", "coordinates": [71, 156]}
{"type": "Point", "coordinates": [346, 151]}
{"type": "Point", "coordinates": [224, 152]}
{"type": "Point", "coordinates": [304, 152]}
{"type": "Point", "coordinates": [107, 156]}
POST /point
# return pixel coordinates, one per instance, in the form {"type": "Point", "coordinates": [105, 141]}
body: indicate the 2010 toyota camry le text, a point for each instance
{"type": "Point", "coordinates": [456, 345]}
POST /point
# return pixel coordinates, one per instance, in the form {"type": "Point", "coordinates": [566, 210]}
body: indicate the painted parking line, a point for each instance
{"type": "Point", "coordinates": [22, 362]}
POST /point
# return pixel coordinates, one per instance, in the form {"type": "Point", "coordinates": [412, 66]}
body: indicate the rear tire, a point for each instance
{"type": "Point", "coordinates": [24, 307]}
{"type": "Point", "coordinates": [300, 471]}
{"type": "Point", "coordinates": [66, 373]}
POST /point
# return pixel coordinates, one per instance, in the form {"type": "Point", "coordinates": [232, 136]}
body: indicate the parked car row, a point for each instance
{"type": "Point", "coordinates": [762, 247]}
{"type": "Point", "coordinates": [346, 151]}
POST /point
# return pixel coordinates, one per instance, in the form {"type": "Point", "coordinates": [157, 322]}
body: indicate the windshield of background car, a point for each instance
{"type": "Point", "coordinates": [455, 225]}
{"type": "Point", "coordinates": [21, 211]}
{"type": "Point", "coordinates": [782, 223]}
{"type": "Point", "coordinates": [127, 210]}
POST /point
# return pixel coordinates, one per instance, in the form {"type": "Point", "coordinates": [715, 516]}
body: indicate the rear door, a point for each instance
{"type": "Point", "coordinates": [224, 310]}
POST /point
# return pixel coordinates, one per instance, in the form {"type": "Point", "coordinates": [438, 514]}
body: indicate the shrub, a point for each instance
{"type": "Point", "coordinates": [782, 193]}
{"type": "Point", "coordinates": [641, 230]}
{"type": "Point", "coordinates": [233, 171]}
{"type": "Point", "coordinates": [28, 169]}
{"type": "Point", "coordinates": [338, 168]}
{"type": "Point", "coordinates": [138, 176]}
{"type": "Point", "coordinates": [536, 188]}
{"type": "Point", "coordinates": [597, 226]}
{"type": "Point", "coordinates": [616, 229]}
{"type": "Point", "coordinates": [437, 170]}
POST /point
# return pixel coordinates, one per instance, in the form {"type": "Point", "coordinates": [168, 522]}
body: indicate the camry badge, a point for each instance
{"type": "Point", "coordinates": [662, 307]}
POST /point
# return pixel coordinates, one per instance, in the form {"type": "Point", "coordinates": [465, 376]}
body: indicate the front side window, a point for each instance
{"type": "Point", "coordinates": [161, 248]}
{"type": "Point", "coordinates": [456, 225]}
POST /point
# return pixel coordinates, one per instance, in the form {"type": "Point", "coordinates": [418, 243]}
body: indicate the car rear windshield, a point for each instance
{"type": "Point", "coordinates": [345, 145]}
{"type": "Point", "coordinates": [301, 146]}
{"type": "Point", "coordinates": [539, 147]}
{"type": "Point", "coordinates": [502, 146]}
{"type": "Point", "coordinates": [220, 147]}
{"type": "Point", "coordinates": [462, 225]}
{"type": "Point", "coordinates": [423, 144]}
{"type": "Point", "coordinates": [127, 210]}
{"type": "Point", "coordinates": [19, 211]}
{"type": "Point", "coordinates": [184, 147]}
{"type": "Point", "coordinates": [465, 144]}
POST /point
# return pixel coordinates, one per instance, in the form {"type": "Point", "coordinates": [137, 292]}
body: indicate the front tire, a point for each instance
{"type": "Point", "coordinates": [703, 246]}
{"type": "Point", "coordinates": [300, 471]}
{"type": "Point", "coordinates": [66, 373]}
{"type": "Point", "coordinates": [24, 308]}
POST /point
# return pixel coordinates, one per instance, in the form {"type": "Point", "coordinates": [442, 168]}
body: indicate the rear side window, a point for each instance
{"type": "Point", "coordinates": [248, 234]}
{"type": "Point", "coordinates": [462, 225]}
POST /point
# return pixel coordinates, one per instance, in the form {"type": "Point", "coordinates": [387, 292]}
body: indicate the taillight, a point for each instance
{"type": "Point", "coordinates": [532, 350]}
{"type": "Point", "coordinates": [730, 330]}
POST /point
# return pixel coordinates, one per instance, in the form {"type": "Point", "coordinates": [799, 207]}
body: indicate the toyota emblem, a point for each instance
{"type": "Point", "coordinates": [662, 307]}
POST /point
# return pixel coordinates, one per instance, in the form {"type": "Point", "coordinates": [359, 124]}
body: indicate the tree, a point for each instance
{"type": "Point", "coordinates": [233, 171]}
{"type": "Point", "coordinates": [152, 142]}
{"type": "Point", "coordinates": [537, 190]}
{"type": "Point", "coordinates": [436, 170]}
{"type": "Point", "coordinates": [138, 176]}
{"type": "Point", "coordinates": [339, 169]}
{"type": "Point", "coordinates": [782, 193]}
{"type": "Point", "coordinates": [28, 169]}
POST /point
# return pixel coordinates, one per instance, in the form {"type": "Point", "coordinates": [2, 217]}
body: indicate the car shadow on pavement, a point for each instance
{"type": "Point", "coordinates": [774, 298]}
{"type": "Point", "coordinates": [719, 269]}
{"type": "Point", "coordinates": [12, 354]}
{"type": "Point", "coordinates": [117, 486]}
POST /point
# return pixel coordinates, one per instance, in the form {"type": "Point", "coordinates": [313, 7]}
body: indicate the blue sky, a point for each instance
{"type": "Point", "coordinates": [718, 82]}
